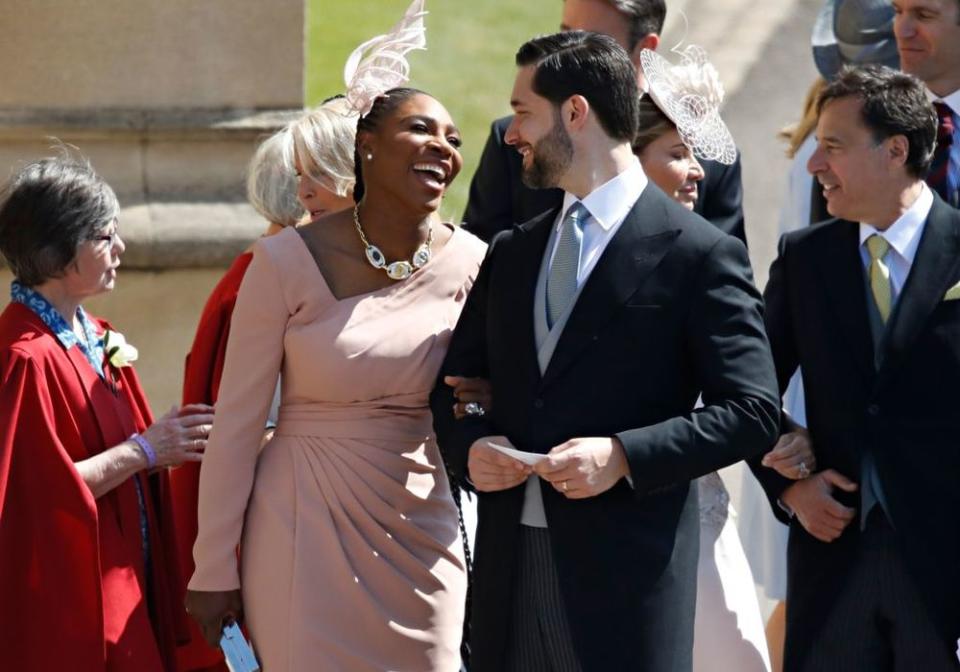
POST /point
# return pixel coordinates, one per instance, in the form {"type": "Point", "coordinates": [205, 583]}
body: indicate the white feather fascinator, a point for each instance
{"type": "Point", "coordinates": [380, 64]}
{"type": "Point", "coordinates": [690, 94]}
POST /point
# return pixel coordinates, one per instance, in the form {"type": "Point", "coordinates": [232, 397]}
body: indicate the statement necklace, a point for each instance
{"type": "Point", "coordinates": [397, 270]}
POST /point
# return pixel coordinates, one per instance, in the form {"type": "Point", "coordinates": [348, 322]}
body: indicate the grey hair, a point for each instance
{"type": "Point", "coordinates": [323, 140]}
{"type": "Point", "coordinates": [47, 210]}
{"type": "Point", "coordinates": [272, 180]}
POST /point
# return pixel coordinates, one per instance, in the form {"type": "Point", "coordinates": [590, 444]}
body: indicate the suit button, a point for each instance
{"type": "Point", "coordinates": [538, 404]}
{"type": "Point", "coordinates": [873, 410]}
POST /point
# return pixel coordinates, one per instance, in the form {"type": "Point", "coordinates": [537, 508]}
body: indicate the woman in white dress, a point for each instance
{"type": "Point", "coordinates": [728, 628]}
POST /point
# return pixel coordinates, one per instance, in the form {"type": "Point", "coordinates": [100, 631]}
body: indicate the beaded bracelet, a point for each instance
{"type": "Point", "coordinates": [147, 449]}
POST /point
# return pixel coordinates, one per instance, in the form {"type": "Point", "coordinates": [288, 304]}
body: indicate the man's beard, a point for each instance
{"type": "Point", "coordinates": [550, 158]}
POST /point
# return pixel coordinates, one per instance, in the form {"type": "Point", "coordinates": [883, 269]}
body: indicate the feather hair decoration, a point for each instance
{"type": "Point", "coordinates": [385, 65]}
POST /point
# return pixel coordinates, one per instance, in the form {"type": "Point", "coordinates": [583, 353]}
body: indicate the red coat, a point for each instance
{"type": "Point", "coordinates": [201, 382]}
{"type": "Point", "coordinates": [73, 592]}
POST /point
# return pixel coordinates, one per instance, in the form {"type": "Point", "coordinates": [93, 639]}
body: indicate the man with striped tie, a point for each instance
{"type": "Point", "coordinates": [598, 324]}
{"type": "Point", "coordinates": [868, 305]}
{"type": "Point", "coordinates": [928, 39]}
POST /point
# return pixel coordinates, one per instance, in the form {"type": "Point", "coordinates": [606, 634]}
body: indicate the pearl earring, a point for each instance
{"type": "Point", "coordinates": [369, 156]}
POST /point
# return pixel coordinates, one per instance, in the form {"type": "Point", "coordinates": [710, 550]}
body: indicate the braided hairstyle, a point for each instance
{"type": "Point", "coordinates": [383, 106]}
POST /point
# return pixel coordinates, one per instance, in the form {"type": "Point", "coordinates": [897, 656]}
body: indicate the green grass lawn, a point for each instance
{"type": "Point", "coordinates": [468, 64]}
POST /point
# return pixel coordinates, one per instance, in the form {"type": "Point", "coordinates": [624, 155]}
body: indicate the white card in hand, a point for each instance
{"type": "Point", "coordinates": [518, 455]}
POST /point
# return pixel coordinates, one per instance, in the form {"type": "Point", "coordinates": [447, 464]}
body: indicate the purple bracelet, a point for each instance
{"type": "Point", "coordinates": [147, 450]}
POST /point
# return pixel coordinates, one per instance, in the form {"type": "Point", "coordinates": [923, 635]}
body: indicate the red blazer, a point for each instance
{"type": "Point", "coordinates": [201, 382]}
{"type": "Point", "coordinates": [73, 585]}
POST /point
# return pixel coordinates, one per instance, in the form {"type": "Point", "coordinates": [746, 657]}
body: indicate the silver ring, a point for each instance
{"type": "Point", "coordinates": [473, 408]}
{"type": "Point", "coordinates": [803, 470]}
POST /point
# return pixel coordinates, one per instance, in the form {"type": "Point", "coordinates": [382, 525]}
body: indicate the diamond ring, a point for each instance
{"type": "Point", "coordinates": [803, 470]}
{"type": "Point", "coordinates": [473, 408]}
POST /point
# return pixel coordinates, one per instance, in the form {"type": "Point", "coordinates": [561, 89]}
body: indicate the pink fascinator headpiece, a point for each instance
{"type": "Point", "coordinates": [690, 94]}
{"type": "Point", "coordinates": [380, 64]}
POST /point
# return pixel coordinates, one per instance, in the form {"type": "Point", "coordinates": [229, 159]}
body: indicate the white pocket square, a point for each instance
{"type": "Point", "coordinates": [953, 293]}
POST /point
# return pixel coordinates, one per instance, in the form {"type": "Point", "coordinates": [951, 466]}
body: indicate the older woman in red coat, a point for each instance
{"type": "Point", "coordinates": [87, 562]}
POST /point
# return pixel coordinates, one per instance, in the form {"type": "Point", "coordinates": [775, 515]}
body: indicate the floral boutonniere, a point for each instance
{"type": "Point", "coordinates": [117, 351]}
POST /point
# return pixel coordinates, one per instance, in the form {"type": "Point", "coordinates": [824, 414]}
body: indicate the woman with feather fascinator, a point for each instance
{"type": "Point", "coordinates": [351, 556]}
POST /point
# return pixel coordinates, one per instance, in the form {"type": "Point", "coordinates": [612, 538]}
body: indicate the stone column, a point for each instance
{"type": "Point", "coordinates": [168, 99]}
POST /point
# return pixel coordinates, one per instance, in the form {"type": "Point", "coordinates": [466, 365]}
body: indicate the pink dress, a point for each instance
{"type": "Point", "coordinates": [351, 554]}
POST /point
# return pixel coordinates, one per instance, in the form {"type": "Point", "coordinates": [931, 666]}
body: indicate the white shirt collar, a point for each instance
{"type": "Point", "coordinates": [610, 203]}
{"type": "Point", "coordinates": [904, 234]}
{"type": "Point", "coordinates": [952, 101]}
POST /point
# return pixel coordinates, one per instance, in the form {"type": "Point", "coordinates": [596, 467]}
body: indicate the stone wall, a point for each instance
{"type": "Point", "coordinates": [168, 98]}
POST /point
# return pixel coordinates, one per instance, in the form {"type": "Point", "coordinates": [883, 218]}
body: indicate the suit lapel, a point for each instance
{"type": "Point", "coordinates": [522, 265]}
{"type": "Point", "coordinates": [841, 278]}
{"type": "Point", "coordinates": [934, 269]}
{"type": "Point", "coordinates": [636, 249]}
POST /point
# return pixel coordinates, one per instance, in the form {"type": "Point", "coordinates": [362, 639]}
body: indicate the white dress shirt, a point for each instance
{"type": "Point", "coordinates": [904, 237]}
{"type": "Point", "coordinates": [953, 102]}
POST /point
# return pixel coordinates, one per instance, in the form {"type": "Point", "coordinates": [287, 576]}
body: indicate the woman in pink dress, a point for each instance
{"type": "Point", "coordinates": [351, 553]}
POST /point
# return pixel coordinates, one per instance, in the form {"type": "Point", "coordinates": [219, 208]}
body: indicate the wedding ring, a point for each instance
{"type": "Point", "coordinates": [803, 470]}
{"type": "Point", "coordinates": [473, 408]}
{"type": "Point", "coordinates": [563, 485]}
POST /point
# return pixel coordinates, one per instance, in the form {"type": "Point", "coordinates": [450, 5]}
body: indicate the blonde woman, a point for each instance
{"type": "Point", "coordinates": [305, 168]}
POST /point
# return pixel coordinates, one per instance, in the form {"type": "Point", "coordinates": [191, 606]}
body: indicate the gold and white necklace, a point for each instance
{"type": "Point", "coordinates": [396, 270]}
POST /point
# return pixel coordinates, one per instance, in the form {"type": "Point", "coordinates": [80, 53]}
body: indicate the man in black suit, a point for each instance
{"type": "Point", "coordinates": [865, 305]}
{"type": "Point", "coordinates": [928, 39]}
{"type": "Point", "coordinates": [498, 197]}
{"type": "Point", "coordinates": [598, 325]}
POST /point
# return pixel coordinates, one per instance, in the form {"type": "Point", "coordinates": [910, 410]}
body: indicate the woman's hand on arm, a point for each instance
{"type": "Point", "coordinates": [470, 390]}
{"type": "Point", "coordinates": [793, 456]}
{"type": "Point", "coordinates": [177, 437]}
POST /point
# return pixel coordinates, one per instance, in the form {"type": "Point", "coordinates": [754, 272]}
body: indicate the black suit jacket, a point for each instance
{"type": "Point", "coordinates": [499, 199]}
{"type": "Point", "coordinates": [904, 412]}
{"type": "Point", "coordinates": [669, 311]}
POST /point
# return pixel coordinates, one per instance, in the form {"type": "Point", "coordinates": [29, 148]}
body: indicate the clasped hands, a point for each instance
{"type": "Point", "coordinates": [578, 468]}
{"type": "Point", "coordinates": [811, 498]}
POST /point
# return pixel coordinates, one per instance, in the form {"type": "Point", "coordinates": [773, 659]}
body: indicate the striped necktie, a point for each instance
{"type": "Point", "coordinates": [562, 279]}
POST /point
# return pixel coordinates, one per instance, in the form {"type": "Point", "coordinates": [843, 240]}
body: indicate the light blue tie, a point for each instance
{"type": "Point", "coordinates": [562, 279]}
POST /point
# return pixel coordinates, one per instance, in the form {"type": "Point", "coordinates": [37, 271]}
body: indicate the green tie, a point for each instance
{"type": "Point", "coordinates": [877, 246]}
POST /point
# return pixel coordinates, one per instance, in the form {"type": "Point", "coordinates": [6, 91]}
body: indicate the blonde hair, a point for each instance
{"type": "Point", "coordinates": [794, 134]}
{"type": "Point", "coordinates": [272, 180]}
{"type": "Point", "coordinates": [323, 140]}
